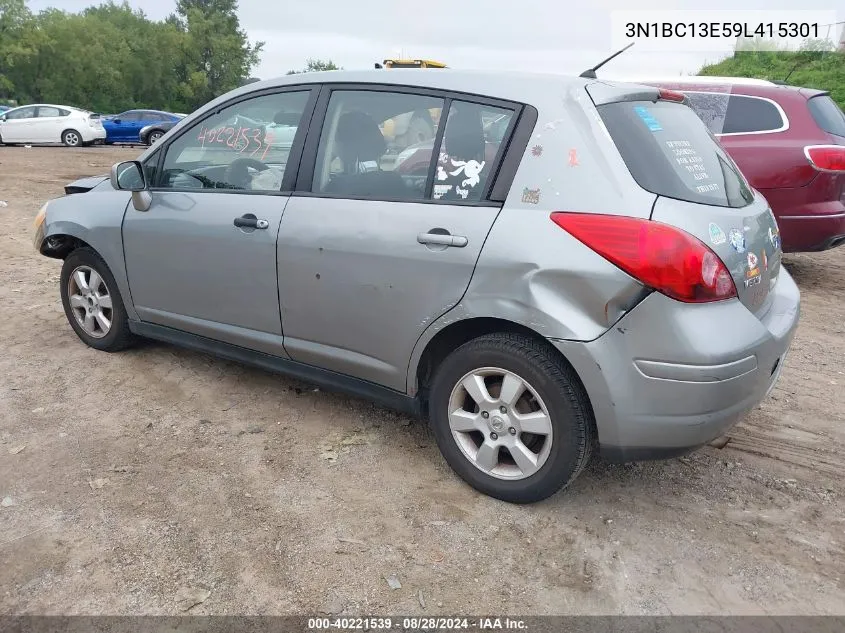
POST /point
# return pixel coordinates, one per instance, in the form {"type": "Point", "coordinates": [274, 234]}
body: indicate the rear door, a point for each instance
{"type": "Point", "coordinates": [670, 152]}
{"type": "Point", "coordinates": [370, 254]}
{"type": "Point", "coordinates": [51, 123]}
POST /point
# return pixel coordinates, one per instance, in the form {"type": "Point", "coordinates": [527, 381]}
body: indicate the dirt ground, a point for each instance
{"type": "Point", "coordinates": [154, 479]}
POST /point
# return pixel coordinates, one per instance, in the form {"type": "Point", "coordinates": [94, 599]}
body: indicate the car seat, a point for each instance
{"type": "Point", "coordinates": [360, 147]}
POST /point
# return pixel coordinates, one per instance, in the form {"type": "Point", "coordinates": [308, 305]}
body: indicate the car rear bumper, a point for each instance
{"type": "Point", "coordinates": [669, 377]}
{"type": "Point", "coordinates": [809, 233]}
{"type": "Point", "coordinates": [92, 135]}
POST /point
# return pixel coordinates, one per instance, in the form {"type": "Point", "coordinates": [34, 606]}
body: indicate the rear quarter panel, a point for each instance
{"type": "Point", "coordinates": [532, 272]}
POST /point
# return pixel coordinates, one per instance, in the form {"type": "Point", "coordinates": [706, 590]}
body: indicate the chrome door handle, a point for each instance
{"type": "Point", "coordinates": [441, 239]}
{"type": "Point", "coordinates": [250, 221]}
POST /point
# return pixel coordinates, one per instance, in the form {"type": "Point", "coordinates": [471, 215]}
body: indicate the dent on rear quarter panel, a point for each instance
{"type": "Point", "coordinates": [531, 271]}
{"type": "Point", "coordinates": [95, 217]}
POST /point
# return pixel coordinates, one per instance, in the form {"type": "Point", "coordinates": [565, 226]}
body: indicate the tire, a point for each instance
{"type": "Point", "coordinates": [117, 336]}
{"type": "Point", "coordinates": [71, 138]}
{"type": "Point", "coordinates": [550, 385]}
{"type": "Point", "coordinates": [154, 136]}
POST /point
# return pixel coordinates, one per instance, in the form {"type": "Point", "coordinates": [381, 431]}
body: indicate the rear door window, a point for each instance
{"type": "Point", "coordinates": [671, 152]}
{"type": "Point", "coordinates": [827, 115]}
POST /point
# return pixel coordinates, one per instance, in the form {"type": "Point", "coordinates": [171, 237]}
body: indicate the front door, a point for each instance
{"type": "Point", "coordinates": [202, 259]}
{"type": "Point", "coordinates": [17, 128]}
{"type": "Point", "coordinates": [388, 236]}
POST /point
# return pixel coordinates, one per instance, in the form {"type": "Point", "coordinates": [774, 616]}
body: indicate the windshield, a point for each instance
{"type": "Point", "coordinates": [669, 151]}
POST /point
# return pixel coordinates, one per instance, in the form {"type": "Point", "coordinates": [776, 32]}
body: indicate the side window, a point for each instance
{"type": "Point", "coordinates": [244, 146]}
{"type": "Point", "coordinates": [21, 113]}
{"type": "Point", "coordinates": [128, 116]}
{"type": "Point", "coordinates": [377, 145]}
{"type": "Point", "coordinates": [470, 146]}
{"type": "Point", "coordinates": [746, 115]}
{"type": "Point", "coordinates": [44, 112]}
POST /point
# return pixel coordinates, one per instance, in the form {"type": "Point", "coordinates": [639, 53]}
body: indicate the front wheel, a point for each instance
{"type": "Point", "coordinates": [154, 137]}
{"type": "Point", "coordinates": [511, 417]}
{"type": "Point", "coordinates": [71, 138]}
{"type": "Point", "coordinates": [92, 302]}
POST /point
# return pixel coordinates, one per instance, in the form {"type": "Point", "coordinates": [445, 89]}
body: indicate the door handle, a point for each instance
{"type": "Point", "coordinates": [249, 221]}
{"type": "Point", "coordinates": [442, 239]}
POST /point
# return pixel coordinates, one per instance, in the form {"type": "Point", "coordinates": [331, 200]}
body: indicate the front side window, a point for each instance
{"type": "Point", "coordinates": [377, 145]}
{"type": "Point", "coordinates": [243, 147]}
{"type": "Point", "coordinates": [20, 113]}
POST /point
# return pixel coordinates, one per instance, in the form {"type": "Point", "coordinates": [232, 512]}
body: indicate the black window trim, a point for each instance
{"type": "Point", "coordinates": [308, 162]}
{"type": "Point", "coordinates": [784, 119]}
{"type": "Point", "coordinates": [294, 155]}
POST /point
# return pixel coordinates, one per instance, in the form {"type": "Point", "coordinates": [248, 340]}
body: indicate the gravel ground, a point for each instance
{"type": "Point", "coordinates": [161, 481]}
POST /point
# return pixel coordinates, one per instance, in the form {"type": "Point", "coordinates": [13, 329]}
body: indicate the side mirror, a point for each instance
{"type": "Point", "coordinates": [129, 176]}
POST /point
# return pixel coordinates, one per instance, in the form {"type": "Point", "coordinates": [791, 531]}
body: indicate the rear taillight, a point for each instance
{"type": "Point", "coordinates": [659, 256]}
{"type": "Point", "coordinates": [826, 157]}
{"type": "Point", "coordinates": [670, 95]}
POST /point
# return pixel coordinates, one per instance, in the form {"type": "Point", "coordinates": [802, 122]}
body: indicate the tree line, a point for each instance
{"type": "Point", "coordinates": [110, 57]}
{"type": "Point", "coordinates": [818, 64]}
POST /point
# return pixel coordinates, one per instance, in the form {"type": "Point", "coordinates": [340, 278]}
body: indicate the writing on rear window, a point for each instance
{"type": "Point", "coordinates": [680, 160]}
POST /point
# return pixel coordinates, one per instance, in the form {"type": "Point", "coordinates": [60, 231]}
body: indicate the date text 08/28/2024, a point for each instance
{"type": "Point", "coordinates": [416, 624]}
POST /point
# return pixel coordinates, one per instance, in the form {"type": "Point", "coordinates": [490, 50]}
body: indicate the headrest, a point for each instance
{"type": "Point", "coordinates": [360, 137]}
{"type": "Point", "coordinates": [464, 139]}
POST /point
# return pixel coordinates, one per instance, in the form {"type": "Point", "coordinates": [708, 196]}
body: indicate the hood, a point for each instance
{"type": "Point", "coordinates": [84, 184]}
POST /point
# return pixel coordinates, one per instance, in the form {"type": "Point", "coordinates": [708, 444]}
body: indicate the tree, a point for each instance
{"type": "Point", "coordinates": [16, 41]}
{"type": "Point", "coordinates": [815, 65]}
{"type": "Point", "coordinates": [216, 55]}
{"type": "Point", "coordinates": [315, 65]}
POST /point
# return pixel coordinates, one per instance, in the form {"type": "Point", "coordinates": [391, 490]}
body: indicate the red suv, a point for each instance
{"type": "Point", "coordinates": [790, 144]}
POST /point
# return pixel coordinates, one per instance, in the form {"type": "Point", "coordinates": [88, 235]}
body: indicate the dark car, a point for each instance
{"type": "Point", "coordinates": [126, 127]}
{"type": "Point", "coordinates": [790, 144]}
{"type": "Point", "coordinates": [154, 131]}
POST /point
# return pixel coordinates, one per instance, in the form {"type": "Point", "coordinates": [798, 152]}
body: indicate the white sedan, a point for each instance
{"type": "Point", "coordinates": [44, 123]}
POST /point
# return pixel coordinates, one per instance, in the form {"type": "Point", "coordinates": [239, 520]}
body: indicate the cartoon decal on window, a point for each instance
{"type": "Point", "coordinates": [471, 169]}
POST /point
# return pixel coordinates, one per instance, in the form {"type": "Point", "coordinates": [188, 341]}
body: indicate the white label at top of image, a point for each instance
{"type": "Point", "coordinates": [721, 31]}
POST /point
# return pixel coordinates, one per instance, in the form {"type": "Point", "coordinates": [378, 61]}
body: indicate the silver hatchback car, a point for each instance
{"type": "Point", "coordinates": [540, 265]}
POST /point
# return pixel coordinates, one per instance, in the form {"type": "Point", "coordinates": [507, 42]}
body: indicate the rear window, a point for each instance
{"type": "Point", "coordinates": [827, 115]}
{"type": "Point", "coordinates": [670, 152]}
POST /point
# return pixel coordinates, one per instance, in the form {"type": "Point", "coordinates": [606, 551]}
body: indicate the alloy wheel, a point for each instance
{"type": "Point", "coordinates": [500, 423]}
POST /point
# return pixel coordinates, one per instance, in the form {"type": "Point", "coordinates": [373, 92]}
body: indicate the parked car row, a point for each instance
{"type": "Point", "coordinates": [553, 265]}
{"type": "Point", "coordinates": [48, 123]}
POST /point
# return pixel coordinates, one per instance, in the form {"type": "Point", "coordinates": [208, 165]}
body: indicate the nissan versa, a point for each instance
{"type": "Point", "coordinates": [602, 277]}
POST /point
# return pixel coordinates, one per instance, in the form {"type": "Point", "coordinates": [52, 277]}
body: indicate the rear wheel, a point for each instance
{"type": "Point", "coordinates": [71, 138]}
{"type": "Point", "coordinates": [92, 302]}
{"type": "Point", "coordinates": [511, 417]}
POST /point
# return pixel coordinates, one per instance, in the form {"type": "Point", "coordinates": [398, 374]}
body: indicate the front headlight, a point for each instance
{"type": "Point", "coordinates": [42, 215]}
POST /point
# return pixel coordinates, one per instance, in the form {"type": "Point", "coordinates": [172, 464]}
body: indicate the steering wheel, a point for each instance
{"type": "Point", "coordinates": [237, 173]}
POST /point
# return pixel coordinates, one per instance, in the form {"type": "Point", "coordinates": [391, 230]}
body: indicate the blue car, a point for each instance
{"type": "Point", "coordinates": [126, 126]}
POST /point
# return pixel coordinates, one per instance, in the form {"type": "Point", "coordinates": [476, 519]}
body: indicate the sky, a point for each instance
{"type": "Point", "coordinates": [563, 36]}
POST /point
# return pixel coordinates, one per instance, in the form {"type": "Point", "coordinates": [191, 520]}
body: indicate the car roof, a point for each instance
{"type": "Point", "coordinates": [517, 86]}
{"type": "Point", "coordinates": [49, 105]}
